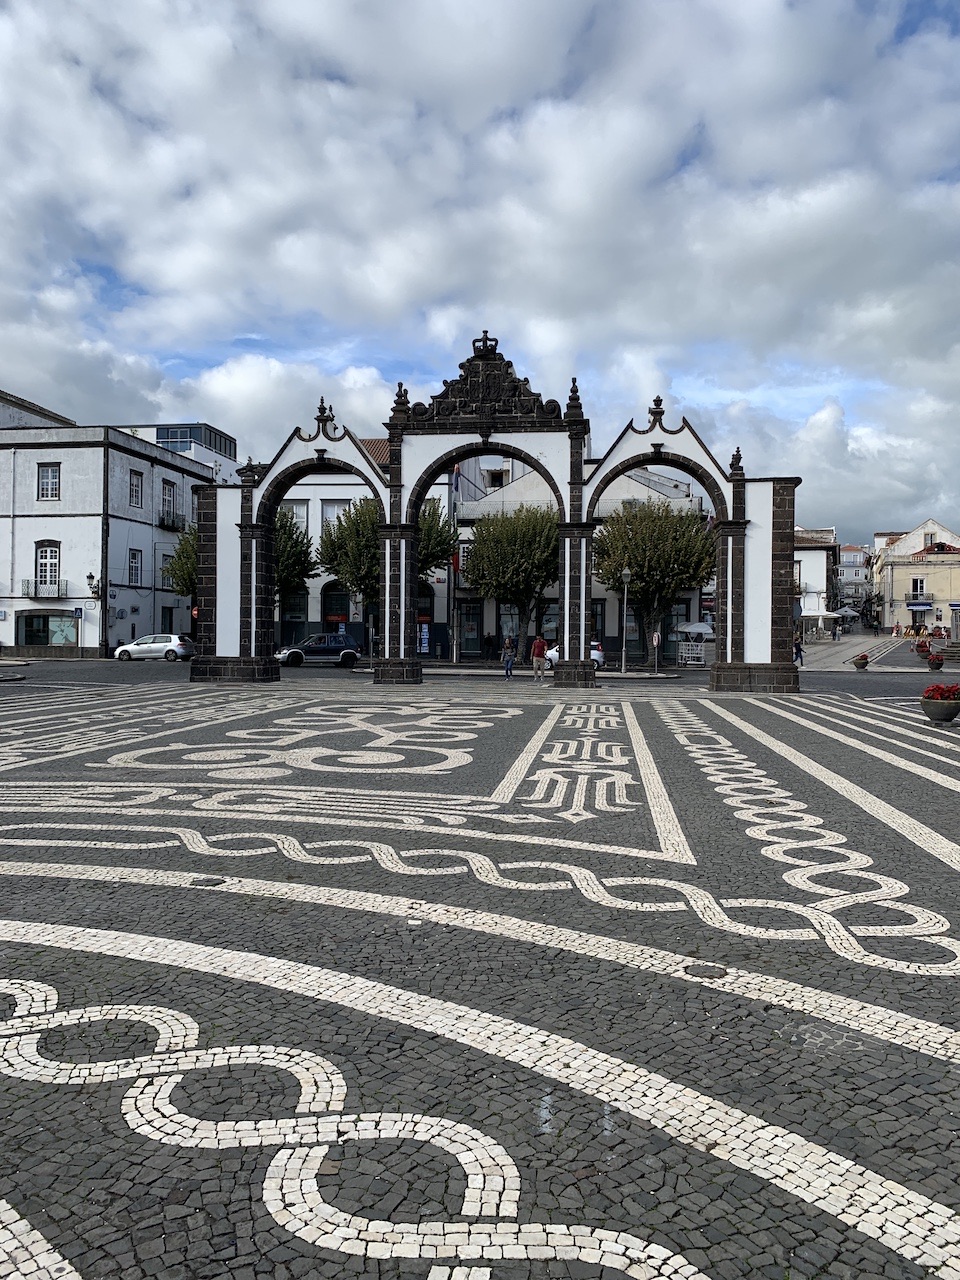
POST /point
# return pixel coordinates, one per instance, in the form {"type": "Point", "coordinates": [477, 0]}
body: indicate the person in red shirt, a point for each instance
{"type": "Point", "coordinates": [538, 653]}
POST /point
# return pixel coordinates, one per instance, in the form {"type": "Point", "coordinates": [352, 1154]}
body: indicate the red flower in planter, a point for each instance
{"type": "Point", "coordinates": [942, 692]}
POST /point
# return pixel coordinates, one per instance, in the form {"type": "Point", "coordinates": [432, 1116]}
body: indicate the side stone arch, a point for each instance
{"type": "Point", "coordinates": [753, 530]}
{"type": "Point", "coordinates": [660, 458]}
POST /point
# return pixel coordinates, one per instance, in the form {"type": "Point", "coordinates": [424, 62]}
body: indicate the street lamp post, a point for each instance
{"type": "Point", "coordinates": [625, 577]}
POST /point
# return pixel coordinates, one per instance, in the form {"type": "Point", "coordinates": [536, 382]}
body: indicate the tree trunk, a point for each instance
{"type": "Point", "coordinates": [524, 614]}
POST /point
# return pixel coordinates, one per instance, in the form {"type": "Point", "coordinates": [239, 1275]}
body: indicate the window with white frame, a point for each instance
{"type": "Point", "coordinates": [929, 539]}
{"type": "Point", "coordinates": [136, 488]}
{"type": "Point", "coordinates": [333, 508]}
{"type": "Point", "coordinates": [168, 499]}
{"type": "Point", "coordinates": [166, 582]}
{"type": "Point", "coordinates": [48, 563]}
{"type": "Point", "coordinates": [299, 509]}
{"type": "Point", "coordinates": [48, 481]}
{"type": "Point", "coordinates": [135, 567]}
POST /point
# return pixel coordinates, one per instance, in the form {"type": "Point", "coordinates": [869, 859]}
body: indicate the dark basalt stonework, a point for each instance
{"type": "Point", "coordinates": [243, 670]}
{"type": "Point", "coordinates": [754, 677]}
{"type": "Point", "coordinates": [398, 671]}
{"type": "Point", "coordinates": [574, 675]}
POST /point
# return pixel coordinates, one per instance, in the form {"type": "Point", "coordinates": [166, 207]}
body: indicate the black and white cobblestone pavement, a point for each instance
{"type": "Point", "coordinates": [476, 981]}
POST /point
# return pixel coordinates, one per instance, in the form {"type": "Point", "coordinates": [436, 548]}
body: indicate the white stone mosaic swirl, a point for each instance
{"type": "Point", "coordinates": [290, 1190]}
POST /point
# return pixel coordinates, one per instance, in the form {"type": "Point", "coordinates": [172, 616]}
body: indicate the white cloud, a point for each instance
{"type": "Point", "coordinates": [750, 209]}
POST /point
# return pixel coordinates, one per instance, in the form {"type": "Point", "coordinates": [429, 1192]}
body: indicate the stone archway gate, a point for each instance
{"type": "Point", "coordinates": [489, 409]}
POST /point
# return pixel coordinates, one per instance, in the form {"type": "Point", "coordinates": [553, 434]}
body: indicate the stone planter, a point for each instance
{"type": "Point", "coordinates": [860, 664]}
{"type": "Point", "coordinates": [940, 712]}
{"type": "Point", "coordinates": [935, 664]}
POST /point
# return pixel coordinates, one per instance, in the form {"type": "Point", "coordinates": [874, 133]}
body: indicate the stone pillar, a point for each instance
{"type": "Point", "coordinates": [400, 663]}
{"type": "Point", "coordinates": [575, 669]}
{"type": "Point", "coordinates": [235, 588]}
{"type": "Point", "coordinates": [755, 590]}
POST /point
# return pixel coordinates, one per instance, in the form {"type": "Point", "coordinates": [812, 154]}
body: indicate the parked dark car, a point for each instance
{"type": "Point", "coordinates": [334, 649]}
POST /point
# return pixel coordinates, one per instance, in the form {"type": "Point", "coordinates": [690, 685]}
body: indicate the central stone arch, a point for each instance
{"type": "Point", "coordinates": [490, 409]}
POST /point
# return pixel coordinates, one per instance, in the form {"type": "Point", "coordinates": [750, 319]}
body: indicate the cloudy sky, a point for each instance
{"type": "Point", "coordinates": [223, 210]}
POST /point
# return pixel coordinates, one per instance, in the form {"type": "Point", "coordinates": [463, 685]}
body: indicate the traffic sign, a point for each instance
{"type": "Point", "coordinates": [656, 639]}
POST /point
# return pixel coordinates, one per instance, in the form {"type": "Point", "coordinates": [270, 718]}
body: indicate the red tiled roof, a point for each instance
{"type": "Point", "coordinates": [378, 448]}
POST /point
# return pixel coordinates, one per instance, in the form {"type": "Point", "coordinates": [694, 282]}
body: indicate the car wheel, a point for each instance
{"type": "Point", "coordinates": [171, 655]}
{"type": "Point", "coordinates": [295, 660]}
{"type": "Point", "coordinates": [549, 664]}
{"type": "Point", "coordinates": [124, 656]}
{"type": "Point", "coordinates": [349, 660]}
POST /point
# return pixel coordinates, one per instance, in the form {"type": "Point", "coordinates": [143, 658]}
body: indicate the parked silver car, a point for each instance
{"type": "Point", "coordinates": [596, 655]}
{"type": "Point", "coordinates": [173, 648]}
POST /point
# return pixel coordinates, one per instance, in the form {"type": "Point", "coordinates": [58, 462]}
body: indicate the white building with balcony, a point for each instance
{"type": "Point", "coordinates": [89, 518]}
{"type": "Point", "coordinates": [916, 578]}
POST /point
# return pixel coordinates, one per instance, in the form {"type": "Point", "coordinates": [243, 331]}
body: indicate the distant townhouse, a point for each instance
{"type": "Point", "coordinates": [916, 578]}
{"type": "Point", "coordinates": [856, 587]}
{"type": "Point", "coordinates": [816, 561]}
{"type": "Point", "coordinates": [89, 519]}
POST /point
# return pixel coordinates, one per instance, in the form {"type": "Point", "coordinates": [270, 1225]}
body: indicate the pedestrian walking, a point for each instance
{"type": "Point", "coordinates": [798, 651]}
{"type": "Point", "coordinates": [509, 654]}
{"type": "Point", "coordinates": [539, 654]}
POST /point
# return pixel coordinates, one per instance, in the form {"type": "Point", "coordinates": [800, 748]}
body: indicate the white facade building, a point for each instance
{"type": "Point", "coordinates": [89, 517]}
{"type": "Point", "coordinates": [854, 576]}
{"type": "Point", "coordinates": [816, 554]}
{"type": "Point", "coordinates": [916, 578]}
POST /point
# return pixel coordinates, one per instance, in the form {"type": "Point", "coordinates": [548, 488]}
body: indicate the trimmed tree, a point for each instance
{"type": "Point", "coordinates": [667, 552]}
{"type": "Point", "coordinates": [182, 568]}
{"type": "Point", "coordinates": [294, 557]}
{"type": "Point", "coordinates": [514, 558]}
{"type": "Point", "coordinates": [349, 547]}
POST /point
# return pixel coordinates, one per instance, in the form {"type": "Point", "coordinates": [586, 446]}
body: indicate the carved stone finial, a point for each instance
{"type": "Point", "coordinates": [655, 412]}
{"type": "Point", "coordinates": [324, 414]}
{"type": "Point", "coordinates": [736, 462]}
{"type": "Point", "coordinates": [325, 425]}
{"type": "Point", "coordinates": [402, 398]}
{"type": "Point", "coordinates": [574, 407]}
{"type": "Point", "coordinates": [485, 346]}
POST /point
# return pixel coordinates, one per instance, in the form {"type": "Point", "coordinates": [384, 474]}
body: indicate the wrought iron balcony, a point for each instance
{"type": "Point", "coordinates": [37, 590]}
{"type": "Point", "coordinates": [175, 520]}
{"type": "Point", "coordinates": [918, 597]}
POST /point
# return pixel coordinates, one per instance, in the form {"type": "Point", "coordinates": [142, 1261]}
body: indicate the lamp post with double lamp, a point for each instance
{"type": "Point", "coordinates": [625, 577]}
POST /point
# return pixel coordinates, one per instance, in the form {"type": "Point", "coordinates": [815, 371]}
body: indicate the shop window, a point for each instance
{"type": "Point", "coordinates": [41, 629]}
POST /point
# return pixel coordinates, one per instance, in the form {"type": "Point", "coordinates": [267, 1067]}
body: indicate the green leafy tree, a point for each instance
{"type": "Point", "coordinates": [437, 538]}
{"type": "Point", "coordinates": [182, 568]}
{"type": "Point", "coordinates": [667, 552]}
{"type": "Point", "coordinates": [350, 547]}
{"type": "Point", "coordinates": [294, 557]}
{"type": "Point", "coordinates": [514, 558]}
